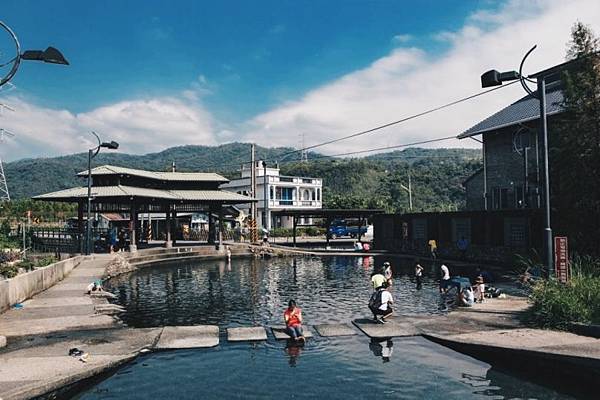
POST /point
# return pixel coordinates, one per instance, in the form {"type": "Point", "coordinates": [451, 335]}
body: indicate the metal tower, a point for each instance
{"type": "Point", "coordinates": [4, 195]}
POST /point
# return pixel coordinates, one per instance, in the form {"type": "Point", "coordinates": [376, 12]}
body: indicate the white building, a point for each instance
{"type": "Point", "coordinates": [283, 192]}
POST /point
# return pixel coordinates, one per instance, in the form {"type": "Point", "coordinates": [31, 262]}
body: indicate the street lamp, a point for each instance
{"type": "Point", "coordinates": [495, 78]}
{"type": "Point", "coordinates": [93, 152]}
{"type": "Point", "coordinates": [50, 55]}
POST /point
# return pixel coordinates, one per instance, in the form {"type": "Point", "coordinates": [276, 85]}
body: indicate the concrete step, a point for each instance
{"type": "Point", "coordinates": [246, 334]}
{"type": "Point", "coordinates": [188, 337]}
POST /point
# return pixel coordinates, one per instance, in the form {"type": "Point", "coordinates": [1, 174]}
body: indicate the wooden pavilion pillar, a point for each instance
{"type": "Point", "coordinates": [133, 225]}
{"type": "Point", "coordinates": [220, 246]}
{"type": "Point", "coordinates": [168, 241]}
{"type": "Point", "coordinates": [211, 225]}
{"type": "Point", "coordinates": [174, 226]}
{"type": "Point", "coordinates": [360, 224]}
{"type": "Point", "coordinates": [327, 226]}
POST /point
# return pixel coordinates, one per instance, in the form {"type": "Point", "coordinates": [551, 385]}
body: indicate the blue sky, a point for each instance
{"type": "Point", "coordinates": [252, 55]}
{"type": "Point", "coordinates": [263, 71]}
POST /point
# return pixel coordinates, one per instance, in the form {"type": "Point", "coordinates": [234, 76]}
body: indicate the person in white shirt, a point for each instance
{"type": "Point", "coordinates": [479, 288]}
{"type": "Point", "coordinates": [419, 275]}
{"type": "Point", "coordinates": [445, 272]}
{"type": "Point", "coordinates": [380, 304]}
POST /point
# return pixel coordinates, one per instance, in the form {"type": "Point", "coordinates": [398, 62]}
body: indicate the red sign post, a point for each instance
{"type": "Point", "coordinates": [561, 258]}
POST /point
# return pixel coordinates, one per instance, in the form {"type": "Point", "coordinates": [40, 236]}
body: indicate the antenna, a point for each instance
{"type": "Point", "coordinates": [4, 195]}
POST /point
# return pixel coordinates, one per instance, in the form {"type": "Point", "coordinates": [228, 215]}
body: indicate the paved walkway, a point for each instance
{"type": "Point", "coordinates": [65, 306]}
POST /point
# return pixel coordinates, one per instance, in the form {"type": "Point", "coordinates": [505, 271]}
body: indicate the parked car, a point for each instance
{"type": "Point", "coordinates": [343, 230]}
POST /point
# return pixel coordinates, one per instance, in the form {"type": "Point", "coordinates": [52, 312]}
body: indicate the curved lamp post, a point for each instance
{"type": "Point", "coordinates": [495, 78]}
{"type": "Point", "coordinates": [50, 55]}
{"type": "Point", "coordinates": [93, 152]}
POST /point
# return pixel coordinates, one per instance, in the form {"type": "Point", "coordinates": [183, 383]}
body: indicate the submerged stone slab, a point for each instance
{"type": "Point", "coordinates": [188, 337]}
{"type": "Point", "coordinates": [280, 333]}
{"type": "Point", "coordinates": [246, 334]}
{"type": "Point", "coordinates": [393, 328]}
{"type": "Point", "coordinates": [333, 330]}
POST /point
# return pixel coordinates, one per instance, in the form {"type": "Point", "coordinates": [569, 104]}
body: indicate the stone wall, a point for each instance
{"type": "Point", "coordinates": [119, 265]}
{"type": "Point", "coordinates": [22, 287]}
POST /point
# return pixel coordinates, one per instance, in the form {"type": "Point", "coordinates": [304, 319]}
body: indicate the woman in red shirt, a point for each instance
{"type": "Point", "coordinates": [293, 321]}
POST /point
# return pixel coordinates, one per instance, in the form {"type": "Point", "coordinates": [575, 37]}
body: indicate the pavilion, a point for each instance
{"type": "Point", "coordinates": [134, 191]}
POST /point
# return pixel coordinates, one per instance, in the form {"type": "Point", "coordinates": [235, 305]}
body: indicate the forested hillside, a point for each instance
{"type": "Point", "coordinates": [374, 181]}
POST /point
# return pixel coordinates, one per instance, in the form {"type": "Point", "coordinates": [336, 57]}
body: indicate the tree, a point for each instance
{"type": "Point", "coordinates": [575, 167]}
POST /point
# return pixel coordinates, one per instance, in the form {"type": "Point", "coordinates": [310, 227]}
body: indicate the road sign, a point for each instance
{"type": "Point", "coordinates": [561, 258]}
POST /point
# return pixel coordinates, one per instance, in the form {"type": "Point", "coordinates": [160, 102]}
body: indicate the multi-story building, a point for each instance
{"type": "Point", "coordinates": [283, 193]}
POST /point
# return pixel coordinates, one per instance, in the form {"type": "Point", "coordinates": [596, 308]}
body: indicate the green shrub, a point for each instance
{"type": "Point", "coordinates": [9, 271]}
{"type": "Point", "coordinates": [555, 304]}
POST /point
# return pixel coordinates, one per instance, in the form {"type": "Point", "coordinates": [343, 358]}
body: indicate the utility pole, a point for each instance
{"type": "Point", "coordinates": [266, 219]}
{"type": "Point", "coordinates": [253, 181]}
{"type": "Point", "coordinates": [409, 190]}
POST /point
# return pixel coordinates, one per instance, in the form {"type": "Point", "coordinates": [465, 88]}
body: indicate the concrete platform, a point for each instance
{"type": "Point", "coordinates": [333, 330]}
{"type": "Point", "coordinates": [393, 328]}
{"type": "Point", "coordinates": [188, 337]}
{"type": "Point", "coordinates": [246, 334]}
{"type": "Point", "coordinates": [280, 334]}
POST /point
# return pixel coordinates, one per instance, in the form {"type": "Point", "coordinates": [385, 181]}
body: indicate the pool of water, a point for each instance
{"type": "Point", "coordinates": [336, 368]}
{"type": "Point", "coordinates": [255, 291]}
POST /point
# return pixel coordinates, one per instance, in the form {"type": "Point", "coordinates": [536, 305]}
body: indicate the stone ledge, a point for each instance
{"type": "Point", "coordinates": [255, 333]}
{"type": "Point", "coordinates": [334, 330]}
{"type": "Point", "coordinates": [390, 329]}
{"type": "Point", "coordinates": [280, 333]}
{"type": "Point", "coordinates": [188, 337]}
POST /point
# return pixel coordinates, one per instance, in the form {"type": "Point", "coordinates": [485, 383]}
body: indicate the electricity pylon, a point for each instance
{"type": "Point", "coordinates": [4, 194]}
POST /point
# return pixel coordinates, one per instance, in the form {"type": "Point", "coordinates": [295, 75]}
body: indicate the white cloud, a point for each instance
{"type": "Point", "coordinates": [408, 81]}
{"type": "Point", "coordinates": [140, 126]}
{"type": "Point", "coordinates": [402, 38]}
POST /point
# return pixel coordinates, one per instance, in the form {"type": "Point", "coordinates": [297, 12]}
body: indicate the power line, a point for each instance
{"type": "Point", "coordinates": [429, 111]}
{"type": "Point", "coordinates": [326, 156]}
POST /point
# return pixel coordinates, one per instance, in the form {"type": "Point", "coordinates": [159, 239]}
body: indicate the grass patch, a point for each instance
{"type": "Point", "coordinates": [555, 304]}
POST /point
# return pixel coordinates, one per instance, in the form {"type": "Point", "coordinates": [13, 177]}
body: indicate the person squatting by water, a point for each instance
{"type": "Point", "coordinates": [293, 321]}
{"type": "Point", "coordinates": [377, 278]}
{"type": "Point", "coordinates": [380, 304]}
{"type": "Point", "coordinates": [419, 275]}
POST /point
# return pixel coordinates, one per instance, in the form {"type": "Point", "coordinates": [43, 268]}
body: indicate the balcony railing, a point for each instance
{"type": "Point", "coordinates": [295, 203]}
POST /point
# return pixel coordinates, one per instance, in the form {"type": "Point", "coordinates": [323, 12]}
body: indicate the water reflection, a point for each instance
{"type": "Point", "coordinates": [255, 291]}
{"type": "Point", "coordinates": [293, 349]}
{"type": "Point", "coordinates": [382, 347]}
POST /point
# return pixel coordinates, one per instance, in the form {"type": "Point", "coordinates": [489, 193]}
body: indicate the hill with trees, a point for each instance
{"type": "Point", "coordinates": [373, 181]}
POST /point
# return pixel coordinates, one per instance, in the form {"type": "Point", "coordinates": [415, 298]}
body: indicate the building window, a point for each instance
{"type": "Point", "coordinates": [271, 192]}
{"type": "Point", "coordinates": [305, 180]}
{"type": "Point", "coordinates": [285, 195]}
{"type": "Point", "coordinates": [318, 194]}
{"type": "Point", "coordinates": [306, 195]}
{"type": "Point", "coordinates": [314, 195]}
